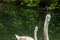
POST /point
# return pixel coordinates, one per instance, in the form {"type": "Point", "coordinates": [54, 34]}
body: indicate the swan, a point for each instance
{"type": "Point", "coordinates": [27, 37]}
{"type": "Point", "coordinates": [47, 20]}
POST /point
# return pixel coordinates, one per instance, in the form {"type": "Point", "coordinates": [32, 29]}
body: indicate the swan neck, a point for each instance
{"type": "Point", "coordinates": [46, 37]}
{"type": "Point", "coordinates": [35, 34]}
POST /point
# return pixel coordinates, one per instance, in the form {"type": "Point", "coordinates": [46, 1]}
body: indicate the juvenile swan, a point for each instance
{"type": "Point", "coordinates": [28, 38]}
{"type": "Point", "coordinates": [47, 20]}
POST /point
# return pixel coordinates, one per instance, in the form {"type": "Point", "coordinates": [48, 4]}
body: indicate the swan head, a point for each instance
{"type": "Point", "coordinates": [48, 17]}
{"type": "Point", "coordinates": [36, 28]}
